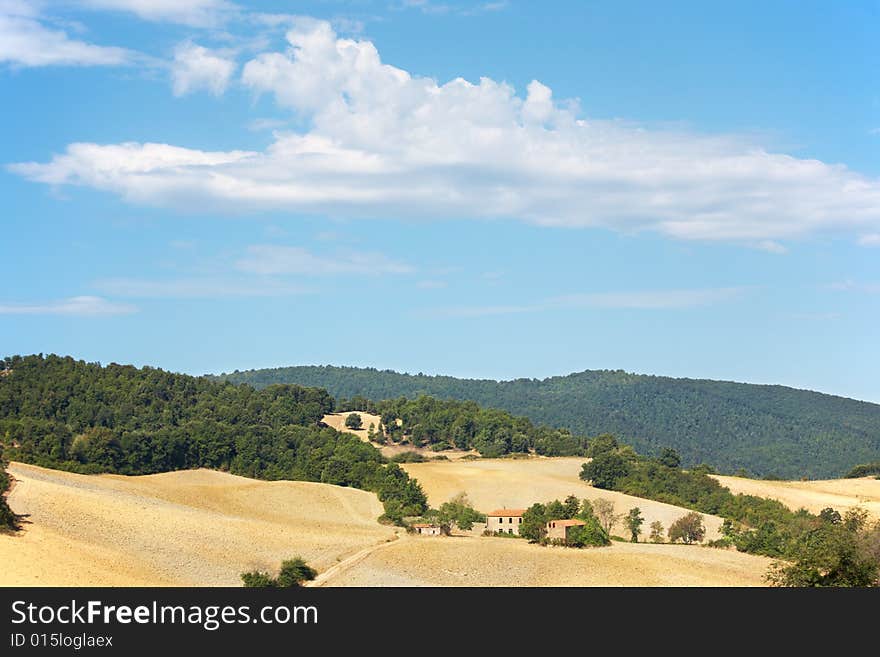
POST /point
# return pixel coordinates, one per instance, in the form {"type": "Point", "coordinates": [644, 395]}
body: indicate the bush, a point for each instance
{"type": "Point", "coordinates": [292, 574]}
{"type": "Point", "coordinates": [354, 421]}
{"type": "Point", "coordinates": [688, 529]}
{"type": "Point", "coordinates": [590, 534]}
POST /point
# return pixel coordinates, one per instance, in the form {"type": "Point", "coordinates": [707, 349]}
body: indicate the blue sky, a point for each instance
{"type": "Point", "coordinates": [483, 189]}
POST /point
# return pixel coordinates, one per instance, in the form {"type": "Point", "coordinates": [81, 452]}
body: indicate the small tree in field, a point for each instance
{"type": "Point", "coordinates": [354, 421]}
{"type": "Point", "coordinates": [656, 532]}
{"type": "Point", "coordinates": [604, 510]}
{"type": "Point", "coordinates": [633, 521]}
{"type": "Point", "coordinates": [292, 574]}
{"type": "Point", "coordinates": [688, 529]}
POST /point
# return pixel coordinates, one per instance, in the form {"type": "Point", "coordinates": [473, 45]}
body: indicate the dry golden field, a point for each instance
{"type": "Point", "coordinates": [469, 561]}
{"type": "Point", "coordinates": [840, 494]}
{"type": "Point", "coordinates": [196, 527]}
{"type": "Point", "coordinates": [517, 483]}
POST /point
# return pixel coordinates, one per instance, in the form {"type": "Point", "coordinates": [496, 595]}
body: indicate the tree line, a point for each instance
{"type": "Point", "coordinates": [833, 550]}
{"type": "Point", "coordinates": [766, 430]}
{"type": "Point", "coordinates": [447, 423]}
{"type": "Point", "coordinates": [83, 417]}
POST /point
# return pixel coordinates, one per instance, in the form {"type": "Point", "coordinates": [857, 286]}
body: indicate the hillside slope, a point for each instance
{"type": "Point", "coordinates": [185, 528]}
{"type": "Point", "coordinates": [764, 429]}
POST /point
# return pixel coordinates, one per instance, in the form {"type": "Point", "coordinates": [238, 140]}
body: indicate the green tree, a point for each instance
{"type": "Point", "coordinates": [656, 532]}
{"type": "Point", "coordinates": [8, 520]}
{"type": "Point", "coordinates": [572, 506]}
{"type": "Point", "coordinates": [605, 470]}
{"type": "Point", "coordinates": [460, 512]}
{"type": "Point", "coordinates": [633, 521]}
{"type": "Point", "coordinates": [258, 580]}
{"type": "Point", "coordinates": [831, 516]}
{"type": "Point", "coordinates": [602, 444]}
{"type": "Point", "coordinates": [534, 521]}
{"type": "Point", "coordinates": [590, 534]}
{"type": "Point", "coordinates": [354, 421]}
{"type": "Point", "coordinates": [688, 529]}
{"type": "Point", "coordinates": [294, 572]}
{"type": "Point", "coordinates": [670, 458]}
{"type": "Point", "coordinates": [827, 555]}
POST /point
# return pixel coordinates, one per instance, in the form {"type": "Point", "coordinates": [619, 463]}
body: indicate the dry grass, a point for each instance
{"type": "Point", "coordinates": [464, 561]}
{"type": "Point", "coordinates": [840, 494]}
{"type": "Point", "coordinates": [517, 483]}
{"type": "Point", "coordinates": [189, 528]}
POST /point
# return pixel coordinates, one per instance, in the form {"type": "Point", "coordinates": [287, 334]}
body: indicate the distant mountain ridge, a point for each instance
{"type": "Point", "coordinates": [768, 430]}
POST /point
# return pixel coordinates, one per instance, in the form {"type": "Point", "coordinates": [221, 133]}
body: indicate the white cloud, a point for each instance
{"type": "Point", "coordinates": [26, 40]}
{"type": "Point", "coordinates": [260, 124]}
{"type": "Point", "coordinates": [84, 306]}
{"type": "Point", "coordinates": [270, 259]}
{"type": "Point", "coordinates": [771, 246]}
{"type": "Point", "coordinates": [196, 288]}
{"type": "Point", "coordinates": [195, 13]}
{"type": "Point", "coordinates": [431, 284]}
{"type": "Point", "coordinates": [385, 143]}
{"type": "Point", "coordinates": [645, 300]}
{"type": "Point", "coordinates": [196, 67]}
{"type": "Point", "coordinates": [871, 239]}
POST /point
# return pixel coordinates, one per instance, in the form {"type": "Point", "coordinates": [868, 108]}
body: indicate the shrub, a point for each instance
{"type": "Point", "coordinates": [688, 529]}
{"type": "Point", "coordinates": [354, 421]}
{"type": "Point", "coordinates": [292, 574]}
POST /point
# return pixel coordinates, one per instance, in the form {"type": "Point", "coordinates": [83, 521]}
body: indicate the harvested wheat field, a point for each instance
{"type": "Point", "coordinates": [337, 421]}
{"type": "Point", "coordinates": [518, 483]}
{"type": "Point", "coordinates": [188, 528]}
{"type": "Point", "coordinates": [840, 494]}
{"type": "Point", "coordinates": [466, 561]}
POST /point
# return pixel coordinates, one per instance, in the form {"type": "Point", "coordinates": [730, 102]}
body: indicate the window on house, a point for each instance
{"type": "Point", "coordinates": [509, 520]}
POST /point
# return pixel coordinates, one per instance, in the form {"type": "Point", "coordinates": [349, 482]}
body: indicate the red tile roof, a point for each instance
{"type": "Point", "coordinates": [573, 522]}
{"type": "Point", "coordinates": [506, 512]}
{"type": "Point", "coordinates": [422, 525]}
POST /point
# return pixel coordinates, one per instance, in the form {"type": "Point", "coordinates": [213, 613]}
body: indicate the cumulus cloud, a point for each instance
{"type": "Point", "coordinates": [27, 40]}
{"type": "Point", "coordinates": [84, 306]}
{"type": "Point", "coordinates": [640, 300]}
{"type": "Point", "coordinates": [196, 67]}
{"type": "Point", "coordinates": [382, 142]}
{"type": "Point", "coordinates": [269, 259]}
{"type": "Point", "coordinates": [195, 13]}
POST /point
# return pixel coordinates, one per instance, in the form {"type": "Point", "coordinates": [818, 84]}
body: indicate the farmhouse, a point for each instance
{"type": "Point", "coordinates": [426, 529]}
{"type": "Point", "coordinates": [558, 529]}
{"type": "Point", "coordinates": [506, 521]}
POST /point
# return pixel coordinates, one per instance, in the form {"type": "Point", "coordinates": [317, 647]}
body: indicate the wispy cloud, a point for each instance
{"type": "Point", "coordinates": [83, 306]}
{"type": "Point", "coordinates": [871, 239]}
{"type": "Point", "coordinates": [645, 300]}
{"type": "Point", "coordinates": [28, 40]}
{"type": "Point", "coordinates": [194, 13]}
{"type": "Point", "coordinates": [270, 259]}
{"type": "Point", "coordinates": [383, 142]}
{"type": "Point", "coordinates": [197, 288]}
{"type": "Point", "coordinates": [431, 284]}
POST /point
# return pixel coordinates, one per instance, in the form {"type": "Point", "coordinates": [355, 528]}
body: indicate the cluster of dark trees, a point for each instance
{"type": "Point", "coordinates": [757, 525]}
{"type": "Point", "coordinates": [536, 517]}
{"type": "Point", "coordinates": [864, 470]}
{"type": "Point", "coordinates": [292, 574]}
{"type": "Point", "coordinates": [766, 430]}
{"type": "Point", "coordinates": [446, 423]}
{"type": "Point", "coordinates": [8, 519]}
{"type": "Point", "coordinates": [68, 414]}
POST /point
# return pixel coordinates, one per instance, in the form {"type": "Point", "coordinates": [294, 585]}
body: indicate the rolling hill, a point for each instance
{"type": "Point", "coordinates": [766, 430]}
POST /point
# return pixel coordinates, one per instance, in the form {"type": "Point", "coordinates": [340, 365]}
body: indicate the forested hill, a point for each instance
{"type": "Point", "coordinates": [768, 430]}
